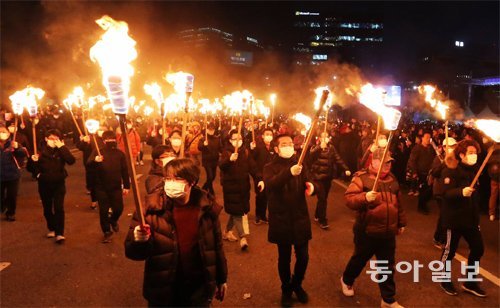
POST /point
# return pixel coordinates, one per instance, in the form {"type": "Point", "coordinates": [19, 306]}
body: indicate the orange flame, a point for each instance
{"type": "Point", "coordinates": [438, 105]}
{"type": "Point", "coordinates": [319, 93]}
{"type": "Point", "coordinates": [373, 98]}
{"type": "Point", "coordinates": [490, 128]}
{"type": "Point", "coordinates": [302, 118]}
{"type": "Point", "coordinates": [26, 98]}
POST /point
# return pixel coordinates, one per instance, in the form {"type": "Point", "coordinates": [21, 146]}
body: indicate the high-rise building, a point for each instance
{"type": "Point", "coordinates": [320, 36]}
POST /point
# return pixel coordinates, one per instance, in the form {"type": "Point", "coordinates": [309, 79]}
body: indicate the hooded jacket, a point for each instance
{"type": "Point", "coordinates": [161, 251]}
{"type": "Point", "coordinates": [324, 161]}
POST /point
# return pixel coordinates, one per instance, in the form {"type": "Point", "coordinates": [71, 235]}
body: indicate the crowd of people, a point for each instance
{"type": "Point", "coordinates": [180, 236]}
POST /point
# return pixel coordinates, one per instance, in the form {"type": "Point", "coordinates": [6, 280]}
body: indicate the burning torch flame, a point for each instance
{"type": "Point", "coordinates": [302, 118]}
{"type": "Point", "coordinates": [373, 99]}
{"type": "Point", "coordinates": [26, 98]}
{"type": "Point", "coordinates": [273, 99]}
{"type": "Point", "coordinates": [429, 91]}
{"type": "Point", "coordinates": [490, 128]}
{"type": "Point", "coordinates": [114, 52]}
{"type": "Point", "coordinates": [319, 93]}
{"type": "Point", "coordinates": [92, 125]}
{"type": "Point", "coordinates": [154, 90]}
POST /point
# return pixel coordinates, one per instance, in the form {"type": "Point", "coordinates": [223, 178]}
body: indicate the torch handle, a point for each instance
{"type": "Point", "coordinates": [184, 125]}
{"type": "Point", "coordinates": [22, 120]}
{"type": "Point", "coordinates": [131, 168]}
{"type": "Point", "coordinates": [322, 102]}
{"type": "Point", "coordinates": [379, 124]}
{"type": "Point", "coordinates": [15, 131]}
{"type": "Point", "coordinates": [96, 145]}
{"type": "Point", "coordinates": [239, 132]}
{"type": "Point", "coordinates": [76, 123]}
{"type": "Point", "coordinates": [33, 126]}
{"type": "Point", "coordinates": [163, 127]}
{"type": "Point", "coordinates": [490, 152]}
{"type": "Point", "coordinates": [253, 130]}
{"type": "Point", "coordinates": [446, 136]}
{"type": "Point", "coordinates": [386, 150]}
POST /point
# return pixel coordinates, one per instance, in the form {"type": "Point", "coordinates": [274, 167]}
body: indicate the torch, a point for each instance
{"type": "Point", "coordinates": [68, 104]}
{"type": "Point", "coordinates": [490, 128]}
{"type": "Point", "coordinates": [32, 95]}
{"type": "Point", "coordinates": [273, 102]}
{"type": "Point", "coordinates": [391, 120]}
{"type": "Point", "coordinates": [322, 101]}
{"type": "Point", "coordinates": [114, 52]}
{"type": "Point", "coordinates": [92, 127]}
{"type": "Point", "coordinates": [252, 119]}
{"type": "Point", "coordinates": [17, 108]}
{"type": "Point", "coordinates": [438, 105]}
{"type": "Point", "coordinates": [156, 94]}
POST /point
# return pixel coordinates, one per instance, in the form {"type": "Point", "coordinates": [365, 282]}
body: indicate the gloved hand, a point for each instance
{"type": "Point", "coordinates": [296, 170]}
{"type": "Point", "coordinates": [205, 143]}
{"type": "Point", "coordinates": [99, 159]}
{"type": "Point", "coordinates": [233, 157]}
{"type": "Point", "coordinates": [142, 234]}
{"type": "Point", "coordinates": [252, 145]}
{"type": "Point", "coordinates": [371, 196]}
{"type": "Point", "coordinates": [221, 292]}
{"type": "Point", "coordinates": [15, 144]}
{"type": "Point", "coordinates": [59, 143]}
{"type": "Point", "coordinates": [467, 191]}
{"type": "Point", "coordinates": [347, 173]}
{"type": "Point", "coordinates": [261, 186]}
{"type": "Point", "coordinates": [85, 139]}
{"type": "Point", "coordinates": [35, 157]}
{"type": "Point", "coordinates": [373, 148]}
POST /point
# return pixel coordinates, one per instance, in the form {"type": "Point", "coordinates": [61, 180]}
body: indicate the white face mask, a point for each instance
{"type": "Point", "coordinates": [382, 143]}
{"type": "Point", "coordinates": [51, 143]}
{"type": "Point", "coordinates": [176, 142]}
{"type": "Point", "coordinates": [4, 136]}
{"type": "Point", "coordinates": [268, 139]}
{"type": "Point", "coordinates": [471, 159]}
{"type": "Point", "coordinates": [325, 140]}
{"type": "Point", "coordinates": [450, 150]}
{"type": "Point", "coordinates": [237, 144]}
{"type": "Point", "coordinates": [166, 160]}
{"type": "Point", "coordinates": [175, 189]}
{"type": "Point", "coordinates": [286, 152]}
{"type": "Point", "coordinates": [12, 130]}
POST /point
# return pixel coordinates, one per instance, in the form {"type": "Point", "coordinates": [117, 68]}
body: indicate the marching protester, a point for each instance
{"type": "Point", "coordinates": [133, 138]}
{"type": "Point", "coordinates": [420, 163]}
{"type": "Point", "coordinates": [85, 145]}
{"type": "Point", "coordinates": [111, 183]}
{"type": "Point", "coordinates": [380, 216]}
{"type": "Point", "coordinates": [460, 214]}
{"type": "Point", "coordinates": [289, 223]}
{"type": "Point", "coordinates": [161, 156]}
{"type": "Point", "coordinates": [323, 160]}
{"type": "Point", "coordinates": [176, 141]}
{"type": "Point", "coordinates": [192, 142]}
{"type": "Point", "coordinates": [236, 165]}
{"type": "Point", "coordinates": [49, 167]}
{"type": "Point", "coordinates": [262, 154]}
{"type": "Point", "coordinates": [181, 242]}
{"type": "Point", "coordinates": [210, 151]}
{"type": "Point", "coordinates": [141, 129]}
{"type": "Point", "coordinates": [11, 156]}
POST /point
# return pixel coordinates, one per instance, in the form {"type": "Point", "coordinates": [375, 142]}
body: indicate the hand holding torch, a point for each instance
{"type": "Point", "coordinates": [92, 127]}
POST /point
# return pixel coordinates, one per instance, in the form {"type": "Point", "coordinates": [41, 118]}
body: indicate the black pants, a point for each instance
{"type": "Point", "coordinates": [473, 238]}
{"type": "Point", "coordinates": [260, 202]}
{"type": "Point", "coordinates": [364, 248]}
{"type": "Point", "coordinates": [440, 233]}
{"type": "Point", "coordinates": [8, 191]}
{"type": "Point", "coordinates": [323, 190]}
{"type": "Point", "coordinates": [109, 199]}
{"type": "Point", "coordinates": [424, 193]}
{"type": "Point", "coordinates": [186, 296]}
{"type": "Point", "coordinates": [90, 175]}
{"type": "Point", "coordinates": [52, 195]}
{"type": "Point", "coordinates": [211, 170]}
{"type": "Point", "coordinates": [284, 260]}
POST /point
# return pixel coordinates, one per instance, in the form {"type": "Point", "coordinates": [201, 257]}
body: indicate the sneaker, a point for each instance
{"type": "Point", "coordinates": [107, 237]}
{"type": "Point", "coordinates": [60, 239]}
{"type": "Point", "coordinates": [324, 225]}
{"type": "Point", "coordinates": [257, 221]}
{"type": "Point", "coordinates": [411, 193]}
{"type": "Point", "coordinates": [346, 289]}
{"type": "Point", "coordinates": [473, 288]}
{"type": "Point", "coordinates": [264, 220]}
{"type": "Point", "coordinates": [437, 244]}
{"type": "Point", "coordinates": [492, 217]}
{"type": "Point", "coordinates": [115, 226]}
{"type": "Point", "coordinates": [51, 234]}
{"type": "Point", "coordinates": [383, 304]}
{"type": "Point", "coordinates": [243, 243]}
{"type": "Point", "coordinates": [87, 192]}
{"type": "Point", "coordinates": [286, 298]}
{"type": "Point", "coordinates": [137, 163]}
{"type": "Point", "coordinates": [416, 194]}
{"type": "Point", "coordinates": [316, 219]}
{"type": "Point", "coordinates": [93, 206]}
{"type": "Point", "coordinates": [229, 236]}
{"type": "Point", "coordinates": [449, 288]}
{"type": "Point", "coordinates": [141, 163]}
{"type": "Point", "coordinates": [301, 294]}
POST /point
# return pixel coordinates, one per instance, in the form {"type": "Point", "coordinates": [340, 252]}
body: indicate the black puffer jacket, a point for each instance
{"type": "Point", "coordinates": [262, 155]}
{"type": "Point", "coordinates": [154, 181]}
{"type": "Point", "coordinates": [161, 251]}
{"type": "Point", "coordinates": [459, 211]}
{"type": "Point", "coordinates": [235, 180]}
{"type": "Point", "coordinates": [421, 158]}
{"type": "Point", "coordinates": [324, 161]}
{"type": "Point", "coordinates": [51, 162]}
{"type": "Point", "coordinates": [210, 153]}
{"type": "Point", "coordinates": [289, 221]}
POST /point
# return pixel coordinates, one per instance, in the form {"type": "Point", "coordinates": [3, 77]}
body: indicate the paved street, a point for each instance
{"type": "Point", "coordinates": [84, 272]}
